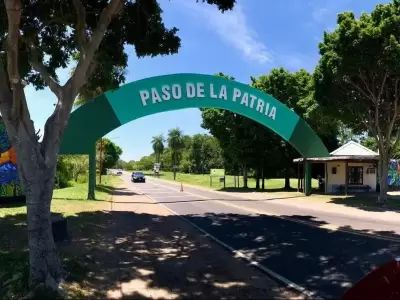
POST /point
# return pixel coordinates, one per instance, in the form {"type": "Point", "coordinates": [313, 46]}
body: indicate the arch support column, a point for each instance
{"type": "Point", "coordinates": [92, 173]}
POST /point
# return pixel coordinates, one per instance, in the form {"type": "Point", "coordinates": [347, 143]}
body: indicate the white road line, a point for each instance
{"type": "Point", "coordinates": [175, 196]}
{"type": "Point", "coordinates": [157, 193]}
{"type": "Point", "coordinates": [243, 256]}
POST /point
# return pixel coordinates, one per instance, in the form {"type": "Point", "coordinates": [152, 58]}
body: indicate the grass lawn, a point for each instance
{"type": "Point", "coordinates": [204, 180]}
{"type": "Point", "coordinates": [13, 236]}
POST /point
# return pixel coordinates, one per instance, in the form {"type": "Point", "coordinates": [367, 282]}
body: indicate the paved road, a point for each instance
{"type": "Point", "coordinates": [323, 261]}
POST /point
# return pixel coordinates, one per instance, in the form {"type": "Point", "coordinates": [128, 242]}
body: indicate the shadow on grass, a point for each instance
{"type": "Point", "coordinates": [369, 203]}
{"type": "Point", "coordinates": [107, 189]}
{"type": "Point", "coordinates": [17, 201]}
{"type": "Point", "coordinates": [115, 191]}
{"type": "Point", "coordinates": [147, 256]}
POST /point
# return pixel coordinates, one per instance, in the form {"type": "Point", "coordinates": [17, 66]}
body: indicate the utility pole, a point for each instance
{"type": "Point", "coordinates": [101, 159]}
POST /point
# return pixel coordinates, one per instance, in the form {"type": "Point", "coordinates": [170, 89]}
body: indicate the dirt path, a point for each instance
{"type": "Point", "coordinates": [141, 251]}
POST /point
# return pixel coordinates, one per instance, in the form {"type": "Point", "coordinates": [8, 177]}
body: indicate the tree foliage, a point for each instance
{"type": "Point", "coordinates": [357, 77]}
{"type": "Point", "coordinates": [176, 143]}
{"type": "Point", "coordinates": [110, 155]}
{"type": "Point", "coordinates": [71, 169]}
{"type": "Point", "coordinates": [248, 144]}
{"type": "Point", "coordinates": [41, 37]}
{"type": "Point", "coordinates": [158, 146]}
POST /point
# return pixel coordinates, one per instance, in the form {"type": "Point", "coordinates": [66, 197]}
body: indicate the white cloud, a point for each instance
{"type": "Point", "coordinates": [326, 11]}
{"type": "Point", "coordinates": [319, 14]}
{"type": "Point", "coordinates": [232, 27]}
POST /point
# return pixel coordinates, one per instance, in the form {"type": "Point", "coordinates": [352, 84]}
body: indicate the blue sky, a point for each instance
{"type": "Point", "coordinates": [250, 40]}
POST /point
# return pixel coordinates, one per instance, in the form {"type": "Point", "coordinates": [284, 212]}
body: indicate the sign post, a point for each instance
{"type": "Point", "coordinates": [220, 173]}
{"type": "Point", "coordinates": [156, 168]}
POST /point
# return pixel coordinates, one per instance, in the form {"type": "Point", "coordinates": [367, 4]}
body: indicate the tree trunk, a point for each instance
{"type": "Point", "coordinates": [45, 267]}
{"type": "Point", "coordinates": [38, 182]}
{"type": "Point", "coordinates": [174, 166]}
{"type": "Point", "coordinates": [263, 179]}
{"type": "Point", "coordinates": [245, 176]}
{"type": "Point", "coordinates": [383, 177]}
{"type": "Point", "coordinates": [287, 179]}
{"type": "Point", "coordinates": [257, 179]}
{"type": "Point", "coordinates": [158, 157]}
{"type": "Point", "coordinates": [37, 171]}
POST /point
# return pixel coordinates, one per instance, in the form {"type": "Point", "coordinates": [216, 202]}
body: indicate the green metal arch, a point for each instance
{"type": "Point", "coordinates": [158, 94]}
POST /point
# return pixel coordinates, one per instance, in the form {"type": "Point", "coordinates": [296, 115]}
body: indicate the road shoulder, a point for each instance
{"type": "Point", "coordinates": [177, 259]}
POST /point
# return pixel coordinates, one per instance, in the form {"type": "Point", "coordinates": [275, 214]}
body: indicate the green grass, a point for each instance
{"type": "Point", "coordinates": [13, 236]}
{"type": "Point", "coordinates": [204, 180]}
{"type": "Point", "coordinates": [80, 191]}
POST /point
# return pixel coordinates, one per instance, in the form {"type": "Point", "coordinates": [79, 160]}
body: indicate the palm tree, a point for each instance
{"type": "Point", "coordinates": [158, 146]}
{"type": "Point", "coordinates": [176, 143]}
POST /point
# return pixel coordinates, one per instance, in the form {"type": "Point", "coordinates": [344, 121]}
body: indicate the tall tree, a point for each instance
{"type": "Point", "coordinates": [40, 37]}
{"type": "Point", "coordinates": [110, 155]}
{"type": "Point", "coordinates": [296, 91]}
{"type": "Point", "coordinates": [288, 88]}
{"type": "Point", "coordinates": [176, 143]}
{"type": "Point", "coordinates": [357, 78]}
{"type": "Point", "coordinates": [233, 132]}
{"type": "Point", "coordinates": [158, 146]}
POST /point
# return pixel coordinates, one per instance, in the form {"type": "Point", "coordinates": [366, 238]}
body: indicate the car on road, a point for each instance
{"type": "Point", "coordinates": [138, 177]}
{"type": "Point", "coordinates": [119, 172]}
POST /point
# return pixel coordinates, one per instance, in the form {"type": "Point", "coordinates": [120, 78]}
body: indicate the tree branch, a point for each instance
{"type": "Point", "coordinates": [13, 8]}
{"type": "Point", "coordinates": [5, 95]}
{"type": "Point", "coordinates": [39, 67]}
{"type": "Point", "coordinates": [392, 118]}
{"type": "Point", "coordinates": [362, 91]}
{"type": "Point", "coordinates": [365, 83]}
{"type": "Point", "coordinates": [106, 16]}
{"type": "Point", "coordinates": [81, 24]}
{"type": "Point", "coordinates": [57, 122]}
{"type": "Point", "coordinates": [378, 97]}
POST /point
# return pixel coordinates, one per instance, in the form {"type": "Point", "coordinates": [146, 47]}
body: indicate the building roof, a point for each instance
{"type": "Point", "coordinates": [354, 158]}
{"type": "Point", "coordinates": [353, 149]}
{"type": "Point", "coordinates": [350, 151]}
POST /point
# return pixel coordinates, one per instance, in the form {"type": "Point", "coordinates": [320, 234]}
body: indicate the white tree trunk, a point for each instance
{"type": "Point", "coordinates": [38, 179]}
{"type": "Point", "coordinates": [45, 267]}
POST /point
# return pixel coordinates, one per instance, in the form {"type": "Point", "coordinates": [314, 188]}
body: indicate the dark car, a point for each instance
{"type": "Point", "coordinates": [138, 177]}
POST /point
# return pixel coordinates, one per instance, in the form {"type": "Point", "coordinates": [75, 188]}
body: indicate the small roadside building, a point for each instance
{"type": "Point", "coordinates": [350, 168]}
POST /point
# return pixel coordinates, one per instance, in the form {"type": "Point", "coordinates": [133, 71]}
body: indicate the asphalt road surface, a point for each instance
{"type": "Point", "coordinates": [323, 261]}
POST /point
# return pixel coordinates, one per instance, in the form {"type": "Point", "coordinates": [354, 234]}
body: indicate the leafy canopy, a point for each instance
{"type": "Point", "coordinates": [357, 78]}
{"type": "Point", "coordinates": [50, 33]}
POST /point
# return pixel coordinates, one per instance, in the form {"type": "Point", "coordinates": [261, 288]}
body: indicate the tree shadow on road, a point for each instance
{"type": "Point", "coordinates": [136, 256]}
{"type": "Point", "coordinates": [148, 256]}
{"type": "Point", "coordinates": [369, 203]}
